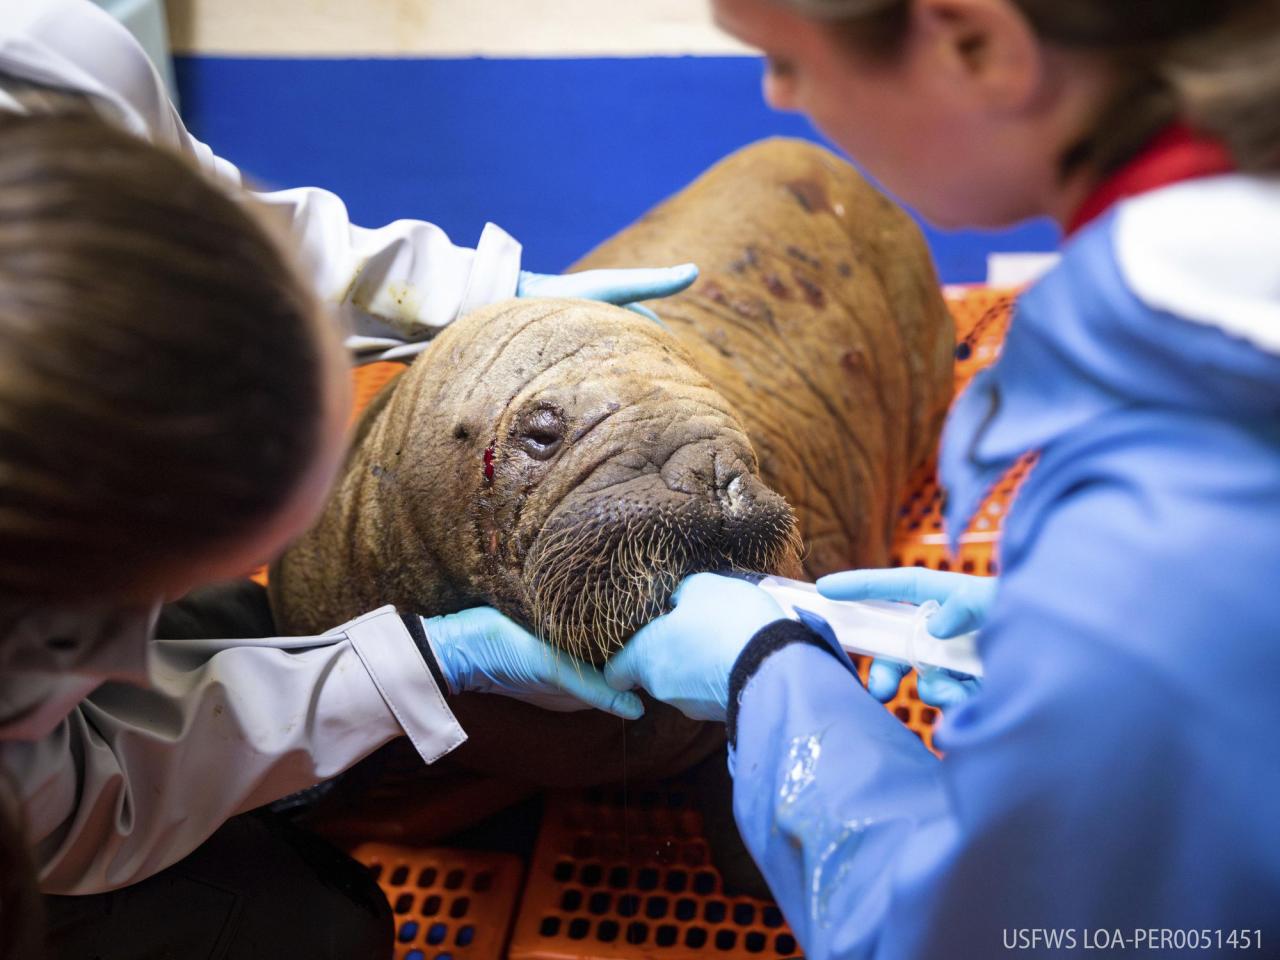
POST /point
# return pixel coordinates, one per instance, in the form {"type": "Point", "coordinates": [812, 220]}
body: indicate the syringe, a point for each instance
{"type": "Point", "coordinates": [876, 628]}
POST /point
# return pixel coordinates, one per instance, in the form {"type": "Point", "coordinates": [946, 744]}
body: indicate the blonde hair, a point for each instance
{"type": "Point", "coordinates": [1214, 64]}
{"type": "Point", "coordinates": [161, 390]}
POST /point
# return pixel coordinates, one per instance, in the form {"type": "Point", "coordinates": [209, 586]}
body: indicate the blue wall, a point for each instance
{"type": "Point", "coordinates": [561, 153]}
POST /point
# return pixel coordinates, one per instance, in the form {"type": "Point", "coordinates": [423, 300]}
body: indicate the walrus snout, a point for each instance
{"type": "Point", "coordinates": [716, 470]}
{"type": "Point", "coordinates": [735, 495]}
{"type": "Point", "coordinates": [706, 466]}
{"type": "Point", "coordinates": [608, 561]}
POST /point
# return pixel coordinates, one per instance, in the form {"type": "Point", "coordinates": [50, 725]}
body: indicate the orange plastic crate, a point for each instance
{"type": "Point", "coordinates": [448, 904]}
{"type": "Point", "coordinates": [622, 876]}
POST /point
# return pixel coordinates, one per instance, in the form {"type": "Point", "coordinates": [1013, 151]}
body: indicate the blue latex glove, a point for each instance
{"type": "Point", "coordinates": [685, 657]}
{"type": "Point", "coordinates": [481, 651]}
{"type": "Point", "coordinates": [964, 599]}
{"type": "Point", "coordinates": [621, 287]}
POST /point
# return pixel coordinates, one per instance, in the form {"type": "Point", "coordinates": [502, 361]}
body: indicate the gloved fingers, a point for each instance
{"type": "Point", "coordinates": [713, 587]}
{"type": "Point", "coordinates": [628, 668]}
{"type": "Point", "coordinates": [885, 678]}
{"type": "Point", "coordinates": [629, 286]}
{"type": "Point", "coordinates": [964, 610]}
{"type": "Point", "coordinates": [957, 615]}
{"type": "Point", "coordinates": [904, 584]}
{"type": "Point", "coordinates": [645, 312]}
{"type": "Point", "coordinates": [944, 688]}
{"type": "Point", "coordinates": [552, 700]}
{"type": "Point", "coordinates": [690, 586]}
{"type": "Point", "coordinates": [584, 685]}
{"type": "Point", "coordinates": [610, 286]}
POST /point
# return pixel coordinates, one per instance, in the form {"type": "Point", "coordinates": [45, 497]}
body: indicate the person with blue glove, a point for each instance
{"type": "Point", "coordinates": [624, 288]}
{"type": "Point", "coordinates": [394, 287]}
{"type": "Point", "coordinates": [963, 601]}
{"type": "Point", "coordinates": [132, 757]}
{"type": "Point", "coordinates": [482, 651]}
{"type": "Point", "coordinates": [1105, 789]}
{"type": "Point", "coordinates": [140, 750]}
{"type": "Point", "coordinates": [693, 674]}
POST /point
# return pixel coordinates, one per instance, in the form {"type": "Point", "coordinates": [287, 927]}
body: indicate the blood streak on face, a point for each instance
{"type": "Point", "coordinates": [488, 465]}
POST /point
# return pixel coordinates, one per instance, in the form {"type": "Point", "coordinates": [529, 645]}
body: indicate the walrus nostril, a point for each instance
{"type": "Point", "coordinates": [734, 495]}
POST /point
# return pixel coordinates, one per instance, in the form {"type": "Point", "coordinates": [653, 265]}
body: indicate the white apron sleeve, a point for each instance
{"type": "Point", "coordinates": [395, 287]}
{"type": "Point", "coordinates": [134, 779]}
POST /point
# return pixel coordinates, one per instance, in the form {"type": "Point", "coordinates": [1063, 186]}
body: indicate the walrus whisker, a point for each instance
{"type": "Point", "coordinates": [590, 586]}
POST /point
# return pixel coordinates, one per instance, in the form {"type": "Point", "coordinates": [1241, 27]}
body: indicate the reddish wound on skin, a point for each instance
{"type": "Point", "coordinates": [713, 291]}
{"type": "Point", "coordinates": [812, 292]}
{"type": "Point", "coordinates": [773, 283]}
{"type": "Point", "coordinates": [488, 465]}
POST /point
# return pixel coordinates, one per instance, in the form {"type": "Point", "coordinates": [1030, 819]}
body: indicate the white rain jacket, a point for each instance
{"type": "Point", "coordinates": [395, 286]}
{"type": "Point", "coordinates": [129, 752]}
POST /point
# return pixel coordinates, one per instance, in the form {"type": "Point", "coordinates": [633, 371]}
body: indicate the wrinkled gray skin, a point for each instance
{"type": "Point", "coordinates": [563, 462]}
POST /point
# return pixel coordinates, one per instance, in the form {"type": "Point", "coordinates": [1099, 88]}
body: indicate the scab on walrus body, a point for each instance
{"type": "Point", "coordinates": [819, 318]}
{"type": "Point", "coordinates": [568, 462]}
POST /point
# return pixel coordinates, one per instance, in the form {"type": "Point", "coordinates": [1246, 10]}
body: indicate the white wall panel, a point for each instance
{"type": "Point", "coordinates": [447, 28]}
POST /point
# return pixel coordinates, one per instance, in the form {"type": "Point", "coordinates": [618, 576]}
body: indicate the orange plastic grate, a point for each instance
{"type": "Point", "coordinates": [368, 380]}
{"type": "Point", "coordinates": [618, 877]}
{"type": "Point", "coordinates": [448, 904]}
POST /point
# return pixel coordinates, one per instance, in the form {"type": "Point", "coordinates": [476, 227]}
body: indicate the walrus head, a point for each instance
{"type": "Point", "coordinates": [560, 460]}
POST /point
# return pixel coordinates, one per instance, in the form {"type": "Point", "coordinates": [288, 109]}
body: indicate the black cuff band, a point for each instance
{"type": "Point", "coordinates": [768, 641]}
{"type": "Point", "coordinates": [413, 624]}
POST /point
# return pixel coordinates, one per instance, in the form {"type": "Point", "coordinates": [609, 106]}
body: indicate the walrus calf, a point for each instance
{"type": "Point", "coordinates": [569, 462]}
{"type": "Point", "coordinates": [561, 460]}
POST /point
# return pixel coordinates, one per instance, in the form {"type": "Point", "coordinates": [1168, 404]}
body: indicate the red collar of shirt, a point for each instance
{"type": "Point", "coordinates": [1176, 154]}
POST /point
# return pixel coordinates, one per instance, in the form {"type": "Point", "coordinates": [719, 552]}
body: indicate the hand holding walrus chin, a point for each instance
{"type": "Point", "coordinates": [481, 651]}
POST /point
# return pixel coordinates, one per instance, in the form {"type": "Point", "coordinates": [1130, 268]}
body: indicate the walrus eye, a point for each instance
{"type": "Point", "coordinates": [541, 433]}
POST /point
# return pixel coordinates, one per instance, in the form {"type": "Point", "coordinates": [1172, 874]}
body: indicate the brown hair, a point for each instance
{"type": "Point", "coordinates": [1214, 64]}
{"type": "Point", "coordinates": [161, 386]}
